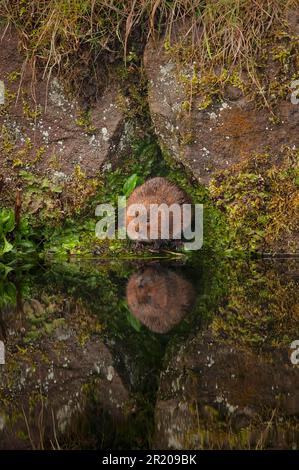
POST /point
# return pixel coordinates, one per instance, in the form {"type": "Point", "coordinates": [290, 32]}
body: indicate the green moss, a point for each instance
{"type": "Point", "coordinates": [260, 200]}
{"type": "Point", "coordinates": [217, 235]}
{"type": "Point", "coordinates": [29, 113]}
{"type": "Point", "coordinates": [84, 120]}
{"type": "Point", "coordinates": [13, 76]}
{"type": "Point", "coordinates": [211, 429]}
{"type": "Point", "coordinates": [260, 311]}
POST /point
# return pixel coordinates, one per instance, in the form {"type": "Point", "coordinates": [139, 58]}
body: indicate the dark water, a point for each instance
{"type": "Point", "coordinates": [159, 354]}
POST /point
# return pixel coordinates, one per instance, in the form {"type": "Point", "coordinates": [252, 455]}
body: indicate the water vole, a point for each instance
{"type": "Point", "coordinates": [156, 191]}
{"type": "Point", "coordinates": [159, 297]}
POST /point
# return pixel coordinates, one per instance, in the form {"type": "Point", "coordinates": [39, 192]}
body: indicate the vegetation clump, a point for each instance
{"type": "Point", "coordinates": [79, 39]}
{"type": "Point", "coordinates": [262, 311]}
{"type": "Point", "coordinates": [261, 200]}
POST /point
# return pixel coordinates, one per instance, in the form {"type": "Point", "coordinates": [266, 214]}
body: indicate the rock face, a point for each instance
{"type": "Point", "coordinates": [234, 383]}
{"type": "Point", "coordinates": [43, 130]}
{"type": "Point", "coordinates": [45, 391]}
{"type": "Point", "coordinates": [218, 137]}
{"type": "Point", "coordinates": [214, 396]}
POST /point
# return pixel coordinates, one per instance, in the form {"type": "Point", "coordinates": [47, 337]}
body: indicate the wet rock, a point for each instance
{"type": "Point", "coordinates": [46, 388]}
{"type": "Point", "coordinates": [232, 93]}
{"type": "Point", "coordinates": [214, 395]}
{"type": "Point", "coordinates": [293, 19]}
{"type": "Point", "coordinates": [218, 137]}
{"type": "Point", "coordinates": [59, 134]}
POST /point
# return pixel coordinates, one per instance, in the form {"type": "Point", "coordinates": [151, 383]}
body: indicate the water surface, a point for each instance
{"type": "Point", "coordinates": [187, 353]}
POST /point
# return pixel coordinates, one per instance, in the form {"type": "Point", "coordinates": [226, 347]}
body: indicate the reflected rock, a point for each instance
{"type": "Point", "coordinates": [55, 385]}
{"type": "Point", "coordinates": [214, 395]}
{"type": "Point", "coordinates": [159, 298]}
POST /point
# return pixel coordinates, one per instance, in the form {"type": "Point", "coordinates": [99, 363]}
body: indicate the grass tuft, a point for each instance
{"type": "Point", "coordinates": [80, 38]}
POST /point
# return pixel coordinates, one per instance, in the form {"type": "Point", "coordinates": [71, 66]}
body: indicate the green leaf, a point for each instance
{"type": "Point", "coordinates": [89, 225]}
{"type": "Point", "coordinates": [45, 184]}
{"type": "Point", "coordinates": [8, 293]}
{"type": "Point", "coordinates": [56, 189]}
{"type": "Point", "coordinates": [133, 321]}
{"type": "Point", "coordinates": [130, 184]}
{"type": "Point", "coordinates": [7, 221]}
{"type": "Point", "coordinates": [6, 248]}
{"type": "Point", "coordinates": [31, 336]}
{"type": "Point", "coordinates": [27, 176]}
{"type": "Point", "coordinates": [5, 269]}
{"type": "Point", "coordinates": [26, 245]}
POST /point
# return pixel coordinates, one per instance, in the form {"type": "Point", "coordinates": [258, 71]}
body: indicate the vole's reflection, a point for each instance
{"type": "Point", "coordinates": [159, 297]}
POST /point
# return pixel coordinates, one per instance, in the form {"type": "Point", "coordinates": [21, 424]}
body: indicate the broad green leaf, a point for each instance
{"type": "Point", "coordinates": [27, 175]}
{"type": "Point", "coordinates": [10, 223]}
{"type": "Point", "coordinates": [5, 269]}
{"type": "Point", "coordinates": [133, 321]}
{"type": "Point", "coordinates": [7, 221]}
{"type": "Point", "coordinates": [26, 245]}
{"type": "Point", "coordinates": [6, 248]}
{"type": "Point", "coordinates": [8, 293]}
{"type": "Point", "coordinates": [130, 184]}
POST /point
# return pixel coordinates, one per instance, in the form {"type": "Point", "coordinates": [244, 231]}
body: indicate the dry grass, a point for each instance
{"type": "Point", "coordinates": [69, 36]}
{"type": "Point", "coordinates": [227, 31]}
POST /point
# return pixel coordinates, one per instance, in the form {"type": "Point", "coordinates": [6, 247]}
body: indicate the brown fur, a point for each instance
{"type": "Point", "coordinates": [159, 298]}
{"type": "Point", "coordinates": [157, 191]}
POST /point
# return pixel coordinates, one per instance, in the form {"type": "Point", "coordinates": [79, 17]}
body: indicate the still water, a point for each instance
{"type": "Point", "coordinates": [178, 354]}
